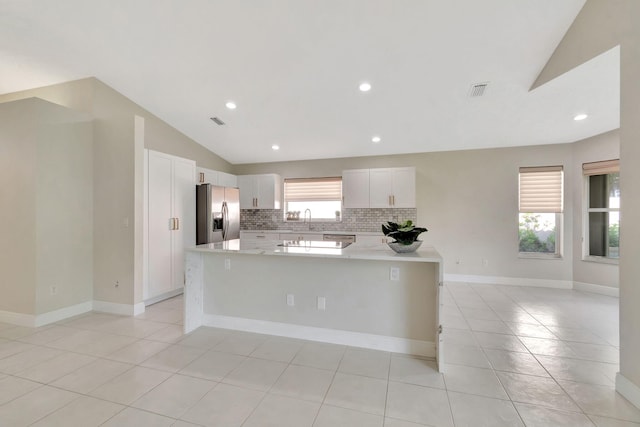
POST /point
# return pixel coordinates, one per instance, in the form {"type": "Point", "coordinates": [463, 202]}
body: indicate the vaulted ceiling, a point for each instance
{"type": "Point", "coordinates": [293, 68]}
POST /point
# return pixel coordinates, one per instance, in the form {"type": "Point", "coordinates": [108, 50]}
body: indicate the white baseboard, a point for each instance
{"type": "Point", "coordinates": [122, 309]}
{"type": "Point", "coordinates": [512, 281]}
{"type": "Point", "coordinates": [333, 336]}
{"type": "Point", "coordinates": [628, 390]}
{"type": "Point", "coordinates": [18, 319]}
{"type": "Point", "coordinates": [596, 289]}
{"type": "Point", "coordinates": [63, 313]}
{"type": "Point", "coordinates": [163, 297]}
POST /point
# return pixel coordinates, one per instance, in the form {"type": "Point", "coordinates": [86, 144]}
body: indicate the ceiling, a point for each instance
{"type": "Point", "coordinates": [293, 68]}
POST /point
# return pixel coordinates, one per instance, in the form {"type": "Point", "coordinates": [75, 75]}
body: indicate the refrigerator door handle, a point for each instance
{"type": "Point", "coordinates": [224, 220]}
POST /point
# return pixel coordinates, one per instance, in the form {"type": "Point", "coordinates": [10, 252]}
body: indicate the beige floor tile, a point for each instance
{"type": "Point", "coordinates": [242, 343]}
{"type": "Point", "coordinates": [392, 422]}
{"type": "Point", "coordinates": [130, 385]}
{"type": "Point", "coordinates": [536, 391]}
{"type": "Point", "coordinates": [26, 359]}
{"type": "Point", "coordinates": [9, 348]}
{"type": "Point", "coordinates": [278, 349]}
{"type": "Point", "coordinates": [333, 416]}
{"type": "Point", "coordinates": [174, 396]}
{"type": "Point", "coordinates": [138, 351]}
{"type": "Point", "coordinates": [359, 393]}
{"type": "Point", "coordinates": [495, 326]}
{"type": "Point", "coordinates": [213, 365]}
{"type": "Point", "coordinates": [320, 355]}
{"type": "Point", "coordinates": [482, 382]}
{"type": "Point", "coordinates": [610, 422]}
{"type": "Point", "coordinates": [415, 371]}
{"type": "Point", "coordinates": [499, 341]}
{"type": "Point", "coordinates": [547, 347]}
{"type": "Point", "coordinates": [93, 343]}
{"type": "Point", "coordinates": [204, 337]}
{"type": "Point", "coordinates": [577, 335]}
{"type": "Point", "coordinates": [472, 411]}
{"type": "Point", "coordinates": [281, 411]}
{"type": "Point", "coordinates": [464, 355]}
{"type": "Point", "coordinates": [577, 370]}
{"type": "Point", "coordinates": [368, 363]}
{"type": "Point", "coordinates": [57, 367]}
{"type": "Point", "coordinates": [173, 358]}
{"type": "Point", "coordinates": [529, 330]}
{"type": "Point", "coordinates": [302, 382]}
{"type": "Point", "coordinates": [92, 375]}
{"type": "Point", "coordinates": [84, 411]}
{"type": "Point", "coordinates": [424, 405]}
{"type": "Point", "coordinates": [256, 374]}
{"type": "Point", "coordinates": [169, 334]}
{"type": "Point", "coordinates": [224, 406]}
{"type": "Point", "coordinates": [12, 387]}
{"type": "Point", "coordinates": [50, 334]}
{"type": "Point", "coordinates": [17, 332]}
{"type": "Point", "coordinates": [509, 361]}
{"type": "Point", "coordinates": [537, 416]}
{"type": "Point", "coordinates": [601, 400]}
{"type": "Point", "coordinates": [595, 352]}
{"type": "Point", "coordinates": [30, 407]}
{"type": "Point", "coordinates": [132, 417]}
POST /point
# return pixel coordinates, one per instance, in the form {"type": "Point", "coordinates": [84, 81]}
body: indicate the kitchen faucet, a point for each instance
{"type": "Point", "coordinates": [305, 216]}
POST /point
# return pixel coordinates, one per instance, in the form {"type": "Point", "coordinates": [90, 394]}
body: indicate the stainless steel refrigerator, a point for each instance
{"type": "Point", "coordinates": [217, 213]}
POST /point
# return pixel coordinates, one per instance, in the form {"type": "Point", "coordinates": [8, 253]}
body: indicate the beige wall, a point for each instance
{"type": "Point", "coordinates": [469, 202]}
{"type": "Point", "coordinates": [46, 193]}
{"type": "Point", "coordinates": [116, 170]}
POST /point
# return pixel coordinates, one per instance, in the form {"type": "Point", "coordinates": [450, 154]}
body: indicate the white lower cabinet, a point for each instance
{"type": "Point", "coordinates": [170, 221]}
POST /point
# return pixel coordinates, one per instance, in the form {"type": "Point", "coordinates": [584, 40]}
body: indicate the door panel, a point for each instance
{"type": "Point", "coordinates": [184, 203]}
{"type": "Point", "coordinates": [160, 215]}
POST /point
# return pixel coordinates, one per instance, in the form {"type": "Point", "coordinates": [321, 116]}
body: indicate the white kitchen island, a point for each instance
{"type": "Point", "coordinates": [364, 295]}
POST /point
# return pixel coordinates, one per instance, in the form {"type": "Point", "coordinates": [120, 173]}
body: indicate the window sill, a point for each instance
{"type": "Point", "coordinates": [532, 255]}
{"type": "Point", "coordinates": [601, 260]}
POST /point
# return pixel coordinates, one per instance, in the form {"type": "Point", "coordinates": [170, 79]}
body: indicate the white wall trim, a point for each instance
{"type": "Point", "coordinates": [123, 309]}
{"type": "Point", "coordinates": [163, 296]}
{"type": "Point", "coordinates": [333, 336]}
{"type": "Point", "coordinates": [62, 313]}
{"type": "Point", "coordinates": [512, 281]}
{"type": "Point", "coordinates": [18, 319]}
{"type": "Point", "coordinates": [628, 390]}
{"type": "Point", "coordinates": [596, 289]}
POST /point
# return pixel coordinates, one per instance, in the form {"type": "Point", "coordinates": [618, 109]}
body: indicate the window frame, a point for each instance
{"type": "Point", "coordinates": [586, 256]}
{"type": "Point", "coordinates": [559, 218]}
{"type": "Point", "coordinates": [312, 179]}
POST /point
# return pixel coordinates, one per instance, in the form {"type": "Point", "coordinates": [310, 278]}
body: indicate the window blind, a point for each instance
{"type": "Point", "coordinates": [601, 168]}
{"type": "Point", "coordinates": [312, 189]}
{"type": "Point", "coordinates": [541, 189]}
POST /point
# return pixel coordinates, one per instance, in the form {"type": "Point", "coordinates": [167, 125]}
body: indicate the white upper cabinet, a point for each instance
{"type": "Point", "coordinates": [260, 191]}
{"type": "Point", "coordinates": [209, 176]}
{"type": "Point", "coordinates": [392, 188]}
{"type": "Point", "coordinates": [355, 188]}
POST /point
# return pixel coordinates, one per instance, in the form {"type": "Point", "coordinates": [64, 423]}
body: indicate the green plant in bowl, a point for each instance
{"type": "Point", "coordinates": [404, 235]}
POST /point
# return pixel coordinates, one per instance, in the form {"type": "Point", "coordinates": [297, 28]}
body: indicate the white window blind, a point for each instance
{"type": "Point", "coordinates": [601, 168]}
{"type": "Point", "coordinates": [313, 189]}
{"type": "Point", "coordinates": [541, 189]}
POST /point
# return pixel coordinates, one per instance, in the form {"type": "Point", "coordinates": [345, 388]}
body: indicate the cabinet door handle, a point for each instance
{"type": "Point", "coordinates": [201, 176]}
{"type": "Point", "coordinates": [389, 200]}
{"type": "Point", "coordinates": [172, 224]}
{"type": "Point", "coordinates": [393, 200]}
{"type": "Point", "coordinates": [177, 224]}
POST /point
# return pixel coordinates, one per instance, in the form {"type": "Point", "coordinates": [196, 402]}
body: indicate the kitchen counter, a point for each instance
{"type": "Point", "coordinates": [360, 251]}
{"type": "Point", "coordinates": [364, 295]}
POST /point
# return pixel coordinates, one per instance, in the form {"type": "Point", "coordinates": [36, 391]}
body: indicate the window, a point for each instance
{"type": "Point", "coordinates": [322, 196]}
{"type": "Point", "coordinates": [602, 216]}
{"type": "Point", "coordinates": [540, 207]}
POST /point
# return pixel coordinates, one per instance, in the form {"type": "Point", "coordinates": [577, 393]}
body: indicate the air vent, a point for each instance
{"type": "Point", "coordinates": [217, 121]}
{"type": "Point", "coordinates": [478, 89]}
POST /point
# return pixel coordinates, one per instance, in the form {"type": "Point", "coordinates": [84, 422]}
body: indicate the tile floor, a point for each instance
{"type": "Point", "coordinates": [515, 356]}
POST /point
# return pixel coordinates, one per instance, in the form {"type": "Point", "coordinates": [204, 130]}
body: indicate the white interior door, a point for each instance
{"type": "Point", "coordinates": [159, 249]}
{"type": "Point", "coordinates": [184, 209]}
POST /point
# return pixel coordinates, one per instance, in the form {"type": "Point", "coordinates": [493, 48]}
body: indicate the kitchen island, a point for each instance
{"type": "Point", "coordinates": [362, 295]}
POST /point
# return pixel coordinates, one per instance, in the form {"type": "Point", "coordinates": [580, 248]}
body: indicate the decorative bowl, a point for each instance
{"type": "Point", "coordinates": [402, 249]}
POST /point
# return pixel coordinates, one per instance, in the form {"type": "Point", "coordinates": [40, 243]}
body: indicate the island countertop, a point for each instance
{"type": "Point", "coordinates": [360, 251]}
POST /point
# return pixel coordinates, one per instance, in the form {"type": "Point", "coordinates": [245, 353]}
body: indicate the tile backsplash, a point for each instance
{"type": "Point", "coordinates": [363, 220]}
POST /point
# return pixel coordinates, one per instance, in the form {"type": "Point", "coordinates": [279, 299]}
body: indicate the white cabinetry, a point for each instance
{"type": "Point", "coordinates": [209, 176]}
{"type": "Point", "coordinates": [355, 188]}
{"type": "Point", "coordinates": [267, 235]}
{"type": "Point", "coordinates": [170, 221]}
{"type": "Point", "coordinates": [260, 191]}
{"type": "Point", "coordinates": [392, 188]}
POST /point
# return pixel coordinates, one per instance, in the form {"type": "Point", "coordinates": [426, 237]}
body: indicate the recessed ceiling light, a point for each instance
{"type": "Point", "coordinates": [580, 117]}
{"type": "Point", "coordinates": [365, 87]}
{"type": "Point", "coordinates": [231, 105]}
{"type": "Point", "coordinates": [275, 147]}
{"type": "Point", "coordinates": [376, 139]}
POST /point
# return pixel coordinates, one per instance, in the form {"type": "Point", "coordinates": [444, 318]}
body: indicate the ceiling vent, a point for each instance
{"type": "Point", "coordinates": [478, 89]}
{"type": "Point", "coordinates": [217, 121]}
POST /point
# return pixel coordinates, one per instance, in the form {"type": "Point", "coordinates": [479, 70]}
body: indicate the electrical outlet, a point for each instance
{"type": "Point", "coordinates": [227, 264]}
{"type": "Point", "coordinates": [394, 273]}
{"type": "Point", "coordinates": [117, 283]}
{"type": "Point", "coordinates": [290, 300]}
{"type": "Point", "coordinates": [458, 261]}
{"type": "Point", "coordinates": [322, 303]}
{"type": "Point", "coordinates": [485, 262]}
{"type": "Point", "coordinates": [54, 290]}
